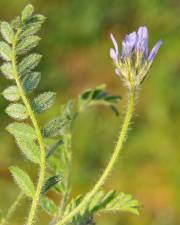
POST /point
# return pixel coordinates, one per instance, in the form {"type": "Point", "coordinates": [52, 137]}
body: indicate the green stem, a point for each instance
{"type": "Point", "coordinates": [68, 159]}
{"type": "Point", "coordinates": [12, 209]}
{"type": "Point", "coordinates": [111, 163]}
{"type": "Point", "coordinates": [38, 133]}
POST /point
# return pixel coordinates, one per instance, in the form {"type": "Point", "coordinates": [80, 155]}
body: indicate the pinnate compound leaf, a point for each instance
{"type": "Point", "coordinates": [21, 130]}
{"type": "Point", "coordinates": [23, 181]}
{"type": "Point", "coordinates": [123, 202]}
{"type": "Point", "coordinates": [27, 12]}
{"type": "Point", "coordinates": [48, 205]}
{"type": "Point", "coordinates": [101, 202]}
{"type": "Point", "coordinates": [7, 32]}
{"type": "Point", "coordinates": [31, 81]}
{"type": "Point", "coordinates": [29, 63]}
{"type": "Point", "coordinates": [27, 44]}
{"type": "Point", "coordinates": [113, 202]}
{"type": "Point", "coordinates": [5, 51]}
{"type": "Point", "coordinates": [7, 71]}
{"type": "Point", "coordinates": [43, 101]}
{"type": "Point", "coordinates": [17, 111]}
{"type": "Point", "coordinates": [98, 96]}
{"type": "Point", "coordinates": [11, 93]}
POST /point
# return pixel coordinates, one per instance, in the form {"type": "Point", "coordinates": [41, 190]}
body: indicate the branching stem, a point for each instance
{"type": "Point", "coordinates": [115, 156]}
{"type": "Point", "coordinates": [32, 116]}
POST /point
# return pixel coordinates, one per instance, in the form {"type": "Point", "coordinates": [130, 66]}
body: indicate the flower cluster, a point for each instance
{"type": "Point", "coordinates": [134, 62]}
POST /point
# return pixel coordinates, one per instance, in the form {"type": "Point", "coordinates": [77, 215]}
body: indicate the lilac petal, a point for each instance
{"type": "Point", "coordinates": [115, 44]}
{"type": "Point", "coordinates": [126, 49]}
{"type": "Point", "coordinates": [113, 54]}
{"type": "Point", "coordinates": [142, 40]}
{"type": "Point", "coordinates": [131, 39]}
{"type": "Point", "coordinates": [128, 44]}
{"type": "Point", "coordinates": [154, 51]}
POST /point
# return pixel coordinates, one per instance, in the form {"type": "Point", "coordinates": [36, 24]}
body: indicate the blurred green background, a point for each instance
{"type": "Point", "coordinates": [76, 46]}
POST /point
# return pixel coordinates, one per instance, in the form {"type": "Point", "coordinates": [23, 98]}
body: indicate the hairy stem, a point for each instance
{"type": "Point", "coordinates": [66, 180]}
{"type": "Point", "coordinates": [68, 146]}
{"type": "Point", "coordinates": [38, 133]}
{"type": "Point", "coordinates": [12, 209]}
{"type": "Point", "coordinates": [111, 163]}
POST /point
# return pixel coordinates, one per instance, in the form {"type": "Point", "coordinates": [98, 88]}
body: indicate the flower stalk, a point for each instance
{"type": "Point", "coordinates": [114, 158]}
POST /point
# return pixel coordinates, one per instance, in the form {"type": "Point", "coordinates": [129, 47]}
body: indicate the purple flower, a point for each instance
{"type": "Point", "coordinates": [154, 51]}
{"type": "Point", "coordinates": [114, 53]}
{"type": "Point", "coordinates": [135, 60]}
{"type": "Point", "coordinates": [128, 44]}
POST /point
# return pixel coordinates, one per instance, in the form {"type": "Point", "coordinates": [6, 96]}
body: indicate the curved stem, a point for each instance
{"type": "Point", "coordinates": [65, 198]}
{"type": "Point", "coordinates": [111, 163]}
{"type": "Point", "coordinates": [12, 209]}
{"type": "Point", "coordinates": [38, 133]}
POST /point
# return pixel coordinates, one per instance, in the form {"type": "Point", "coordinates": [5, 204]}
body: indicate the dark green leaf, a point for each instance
{"type": "Point", "coordinates": [31, 81]}
{"type": "Point", "coordinates": [36, 20]}
{"type": "Point", "coordinates": [98, 96]}
{"type": "Point", "coordinates": [43, 102]}
{"type": "Point", "coordinates": [50, 183]}
{"type": "Point", "coordinates": [53, 128]}
{"type": "Point", "coordinates": [29, 63]}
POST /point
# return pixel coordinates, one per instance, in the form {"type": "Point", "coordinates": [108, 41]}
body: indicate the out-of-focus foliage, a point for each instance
{"type": "Point", "coordinates": [76, 46]}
